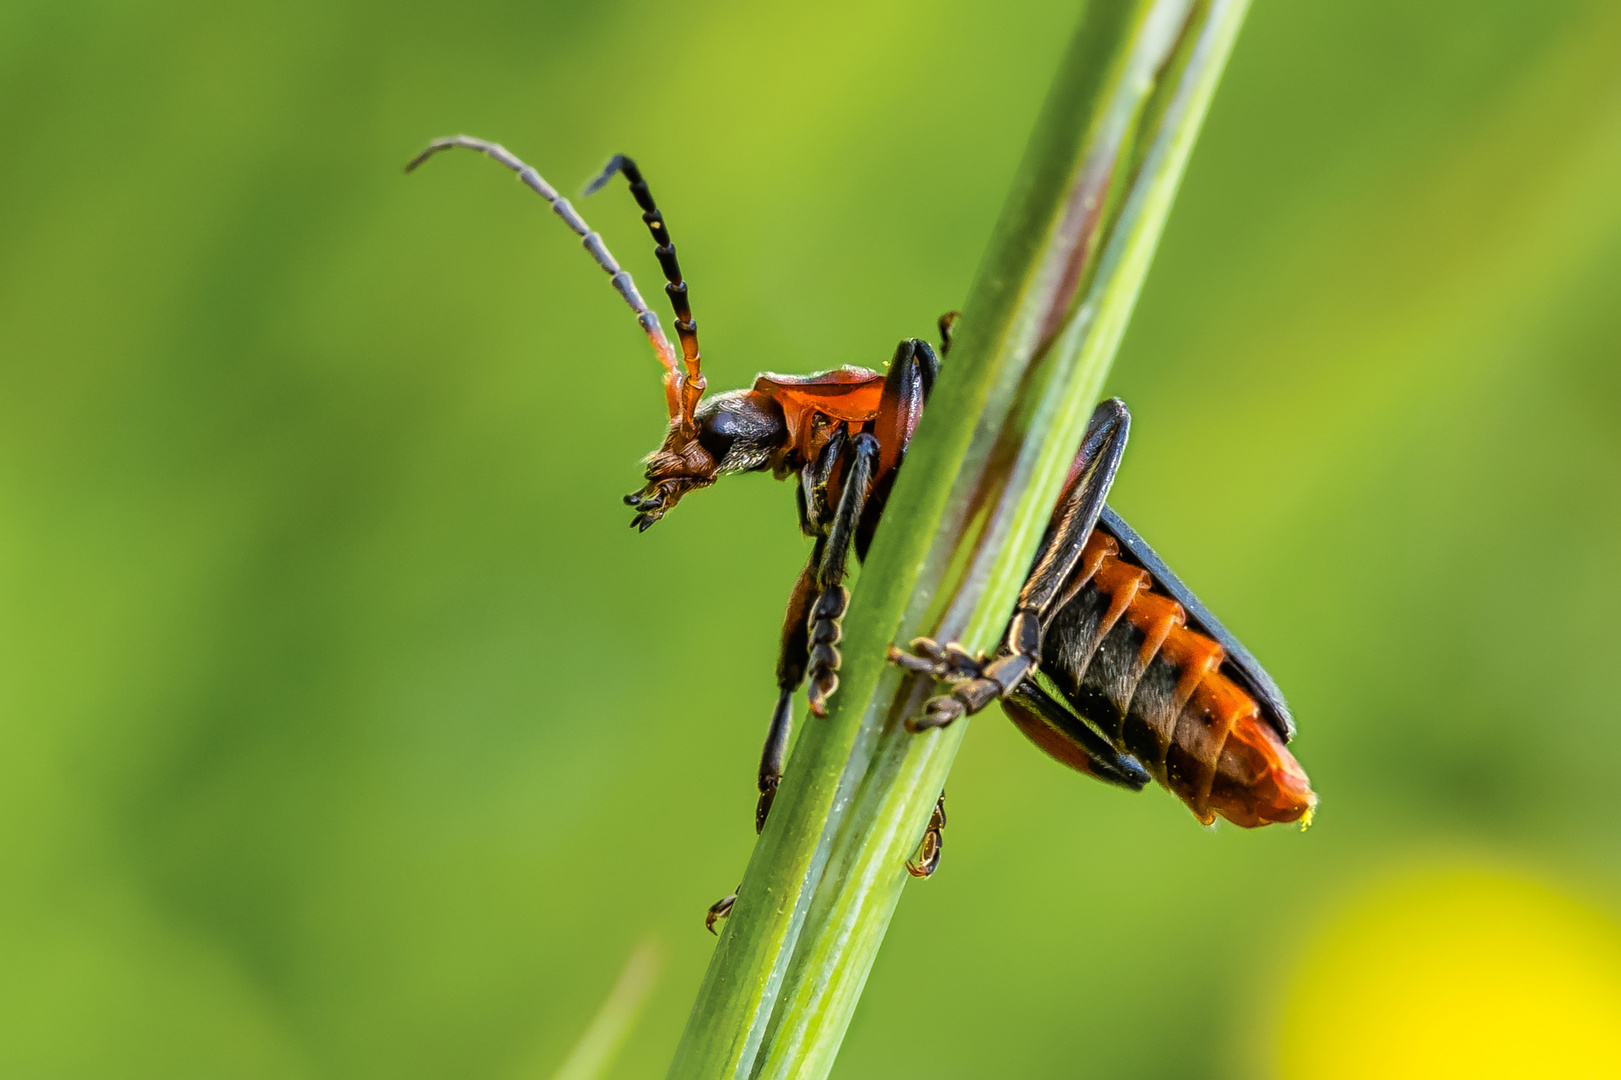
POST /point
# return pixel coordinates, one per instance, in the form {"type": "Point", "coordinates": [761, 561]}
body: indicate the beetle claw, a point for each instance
{"type": "Point", "coordinates": [948, 663]}
{"type": "Point", "coordinates": [824, 685]}
{"type": "Point", "coordinates": [718, 911]}
{"type": "Point", "coordinates": [928, 855]}
{"type": "Point", "coordinates": [938, 712]}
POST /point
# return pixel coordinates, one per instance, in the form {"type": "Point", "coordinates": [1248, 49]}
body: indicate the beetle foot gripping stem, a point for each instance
{"type": "Point", "coordinates": [976, 680]}
{"type": "Point", "coordinates": [762, 807]}
{"type": "Point", "coordinates": [973, 677]}
{"type": "Point", "coordinates": [718, 911]}
{"type": "Point", "coordinates": [945, 663]}
{"type": "Point", "coordinates": [928, 855]}
{"type": "Point", "coordinates": [826, 629]}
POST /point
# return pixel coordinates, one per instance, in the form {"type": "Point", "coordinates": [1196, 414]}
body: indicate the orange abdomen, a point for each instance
{"type": "Point", "coordinates": [1124, 658]}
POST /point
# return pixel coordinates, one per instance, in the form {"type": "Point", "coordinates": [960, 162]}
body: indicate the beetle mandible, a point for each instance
{"type": "Point", "coordinates": [1149, 684]}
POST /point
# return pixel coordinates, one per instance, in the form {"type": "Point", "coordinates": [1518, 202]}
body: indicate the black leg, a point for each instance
{"type": "Point", "coordinates": [825, 629]}
{"type": "Point", "coordinates": [811, 628]}
{"type": "Point", "coordinates": [718, 911]}
{"type": "Point", "coordinates": [928, 852]}
{"type": "Point", "coordinates": [907, 386]}
{"type": "Point", "coordinates": [792, 660]}
{"type": "Point", "coordinates": [814, 482]}
{"type": "Point", "coordinates": [906, 390]}
{"type": "Point", "coordinates": [773, 756]}
{"type": "Point", "coordinates": [979, 681]}
{"type": "Point", "coordinates": [947, 322]}
{"type": "Point", "coordinates": [1078, 509]}
{"type": "Point", "coordinates": [1067, 739]}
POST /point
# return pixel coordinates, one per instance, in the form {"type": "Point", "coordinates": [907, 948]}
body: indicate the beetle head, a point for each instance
{"type": "Point", "coordinates": [738, 431]}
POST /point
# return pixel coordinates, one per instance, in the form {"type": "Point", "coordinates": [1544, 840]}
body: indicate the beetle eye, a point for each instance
{"type": "Point", "coordinates": [740, 430]}
{"type": "Point", "coordinates": [716, 433]}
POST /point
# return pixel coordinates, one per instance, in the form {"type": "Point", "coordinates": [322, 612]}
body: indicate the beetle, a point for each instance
{"type": "Point", "coordinates": [1109, 663]}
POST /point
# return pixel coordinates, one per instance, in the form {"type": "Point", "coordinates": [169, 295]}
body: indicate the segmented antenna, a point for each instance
{"type": "Point", "coordinates": [674, 393]}
{"type": "Point", "coordinates": [676, 288]}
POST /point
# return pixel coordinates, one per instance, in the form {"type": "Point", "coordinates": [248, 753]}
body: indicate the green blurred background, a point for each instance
{"type": "Point", "coordinates": [349, 732]}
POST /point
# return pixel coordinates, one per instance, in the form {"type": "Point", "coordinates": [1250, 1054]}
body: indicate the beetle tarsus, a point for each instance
{"type": "Point", "coordinates": [826, 630]}
{"type": "Point", "coordinates": [718, 911]}
{"type": "Point", "coordinates": [928, 855]}
{"type": "Point", "coordinates": [938, 712]}
{"type": "Point", "coordinates": [947, 662]}
{"type": "Point", "coordinates": [975, 678]}
{"type": "Point", "coordinates": [834, 598]}
{"type": "Point", "coordinates": [947, 323]}
{"type": "Point", "coordinates": [825, 686]}
{"type": "Point", "coordinates": [768, 795]}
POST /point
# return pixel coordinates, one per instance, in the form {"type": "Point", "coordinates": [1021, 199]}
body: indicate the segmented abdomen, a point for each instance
{"type": "Point", "coordinates": [1121, 654]}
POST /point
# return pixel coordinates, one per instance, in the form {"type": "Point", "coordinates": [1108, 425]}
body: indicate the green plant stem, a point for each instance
{"type": "Point", "coordinates": [1041, 326]}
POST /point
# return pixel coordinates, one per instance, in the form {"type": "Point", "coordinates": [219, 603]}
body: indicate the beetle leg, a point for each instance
{"type": "Point", "coordinates": [791, 663]}
{"type": "Point", "coordinates": [928, 853]}
{"type": "Point", "coordinates": [772, 756]}
{"type": "Point", "coordinates": [948, 663]}
{"type": "Point", "coordinates": [811, 630]}
{"type": "Point", "coordinates": [907, 386]}
{"type": "Point", "coordinates": [947, 323]}
{"type": "Point", "coordinates": [979, 681]}
{"type": "Point", "coordinates": [814, 481]}
{"type": "Point", "coordinates": [1067, 739]}
{"type": "Point", "coordinates": [718, 911]}
{"type": "Point", "coordinates": [826, 613]}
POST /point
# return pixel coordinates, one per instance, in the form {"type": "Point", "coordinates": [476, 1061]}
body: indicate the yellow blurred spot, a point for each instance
{"type": "Point", "coordinates": [1459, 973]}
